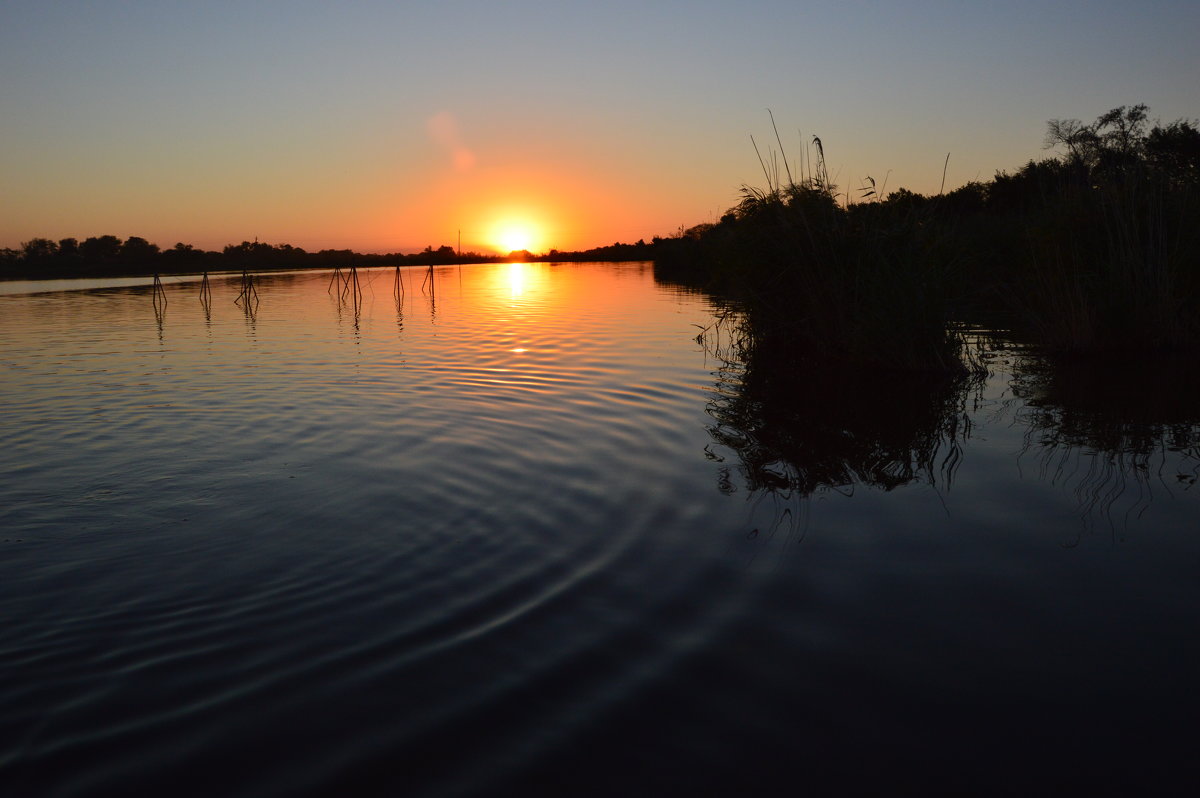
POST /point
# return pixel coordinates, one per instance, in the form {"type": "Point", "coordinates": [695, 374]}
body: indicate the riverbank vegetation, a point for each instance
{"type": "Point", "coordinates": [109, 256]}
{"type": "Point", "coordinates": [1094, 249]}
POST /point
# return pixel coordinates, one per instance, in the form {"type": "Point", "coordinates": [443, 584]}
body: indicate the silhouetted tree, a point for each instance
{"type": "Point", "coordinates": [1034, 184]}
{"type": "Point", "coordinates": [1174, 151]}
{"type": "Point", "coordinates": [185, 257]}
{"type": "Point", "coordinates": [39, 252]}
{"type": "Point", "coordinates": [969, 198]}
{"type": "Point", "coordinates": [139, 254]}
{"type": "Point", "coordinates": [442, 255]}
{"type": "Point", "coordinates": [902, 200]}
{"type": "Point", "coordinates": [1109, 147]}
{"type": "Point", "coordinates": [10, 261]}
{"type": "Point", "coordinates": [100, 253]}
{"type": "Point", "coordinates": [69, 257]}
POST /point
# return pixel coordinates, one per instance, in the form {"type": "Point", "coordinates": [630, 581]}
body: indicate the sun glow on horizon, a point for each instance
{"type": "Point", "coordinates": [513, 234]}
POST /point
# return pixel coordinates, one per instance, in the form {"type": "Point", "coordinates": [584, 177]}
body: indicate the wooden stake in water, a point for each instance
{"type": "Point", "coordinates": [205, 291]}
{"type": "Point", "coordinates": [351, 288]}
{"type": "Point", "coordinates": [159, 293]}
{"type": "Point", "coordinates": [248, 293]}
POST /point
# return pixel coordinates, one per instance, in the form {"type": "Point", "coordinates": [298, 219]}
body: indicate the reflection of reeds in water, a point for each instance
{"type": "Point", "coordinates": [1117, 434]}
{"type": "Point", "coordinates": [805, 427]}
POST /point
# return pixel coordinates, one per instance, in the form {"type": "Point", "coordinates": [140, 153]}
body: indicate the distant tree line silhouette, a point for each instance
{"type": "Point", "coordinates": [612, 252]}
{"type": "Point", "coordinates": [108, 255]}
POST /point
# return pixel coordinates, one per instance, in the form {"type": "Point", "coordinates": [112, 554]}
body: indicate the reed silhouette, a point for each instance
{"type": "Point", "coordinates": [1093, 249]}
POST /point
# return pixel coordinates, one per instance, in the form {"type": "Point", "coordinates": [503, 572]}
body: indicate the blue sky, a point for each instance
{"type": "Point", "coordinates": [313, 123]}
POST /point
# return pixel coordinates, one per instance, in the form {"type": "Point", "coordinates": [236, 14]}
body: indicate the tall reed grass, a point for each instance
{"type": "Point", "coordinates": [1095, 251]}
{"type": "Point", "coordinates": [826, 279]}
{"type": "Point", "coordinates": [1111, 268]}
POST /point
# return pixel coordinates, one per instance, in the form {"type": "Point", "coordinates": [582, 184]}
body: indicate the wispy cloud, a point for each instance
{"type": "Point", "coordinates": [443, 130]}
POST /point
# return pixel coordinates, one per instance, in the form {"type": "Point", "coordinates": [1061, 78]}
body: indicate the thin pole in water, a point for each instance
{"type": "Point", "coordinates": [353, 289]}
{"type": "Point", "coordinates": [159, 293]}
{"type": "Point", "coordinates": [248, 291]}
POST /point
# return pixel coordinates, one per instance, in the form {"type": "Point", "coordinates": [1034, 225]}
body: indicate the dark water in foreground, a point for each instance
{"type": "Point", "coordinates": [526, 536]}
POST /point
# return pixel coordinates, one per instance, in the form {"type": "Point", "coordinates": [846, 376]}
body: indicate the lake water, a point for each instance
{"type": "Point", "coordinates": [519, 532]}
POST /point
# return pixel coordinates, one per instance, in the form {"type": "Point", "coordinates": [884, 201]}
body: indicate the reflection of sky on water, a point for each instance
{"type": "Point", "coordinates": [373, 538]}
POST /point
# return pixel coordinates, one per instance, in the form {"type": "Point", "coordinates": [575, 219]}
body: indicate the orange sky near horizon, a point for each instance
{"type": "Point", "coordinates": [389, 127]}
{"type": "Point", "coordinates": [562, 206]}
{"type": "Point", "coordinates": [428, 193]}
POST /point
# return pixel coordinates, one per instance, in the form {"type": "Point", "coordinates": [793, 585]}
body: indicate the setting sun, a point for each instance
{"type": "Point", "coordinates": [511, 235]}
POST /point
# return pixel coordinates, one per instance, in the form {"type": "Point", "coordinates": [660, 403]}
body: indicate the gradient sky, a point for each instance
{"type": "Point", "coordinates": [389, 126]}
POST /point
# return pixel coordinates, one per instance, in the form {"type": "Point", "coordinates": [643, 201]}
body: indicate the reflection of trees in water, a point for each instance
{"type": "Point", "coordinates": [805, 427]}
{"type": "Point", "coordinates": [1115, 433]}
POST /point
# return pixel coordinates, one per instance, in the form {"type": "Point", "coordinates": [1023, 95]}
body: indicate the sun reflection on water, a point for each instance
{"type": "Point", "coordinates": [518, 277]}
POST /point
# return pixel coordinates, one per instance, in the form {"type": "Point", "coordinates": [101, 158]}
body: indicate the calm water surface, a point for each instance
{"type": "Point", "coordinates": [521, 533]}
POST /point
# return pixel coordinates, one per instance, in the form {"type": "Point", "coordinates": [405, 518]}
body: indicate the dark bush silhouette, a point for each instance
{"type": "Point", "coordinates": [1093, 249]}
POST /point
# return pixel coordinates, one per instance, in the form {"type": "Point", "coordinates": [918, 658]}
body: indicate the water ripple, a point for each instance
{"type": "Point", "coordinates": [483, 542]}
